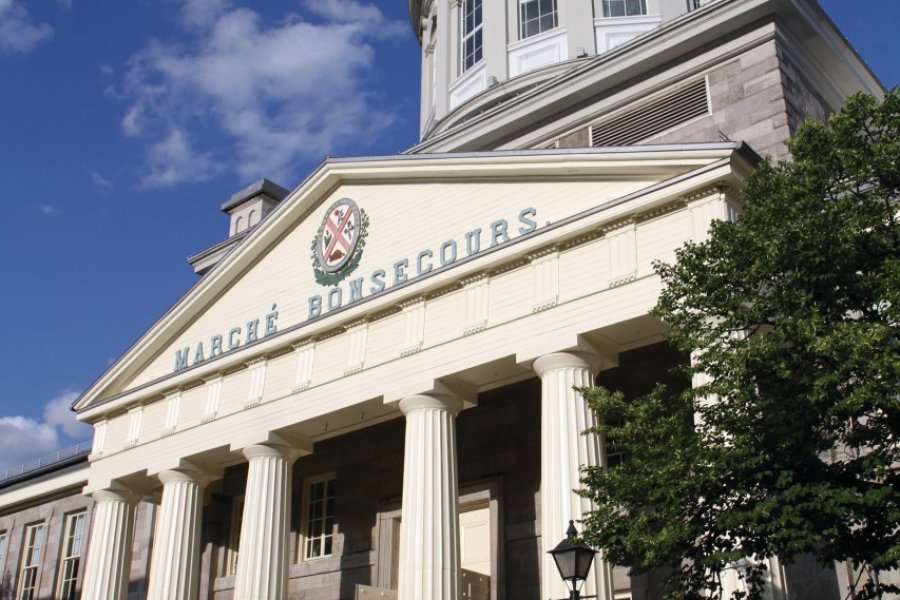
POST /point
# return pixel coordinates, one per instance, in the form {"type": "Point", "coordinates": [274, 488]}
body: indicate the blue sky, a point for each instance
{"type": "Point", "coordinates": [125, 124]}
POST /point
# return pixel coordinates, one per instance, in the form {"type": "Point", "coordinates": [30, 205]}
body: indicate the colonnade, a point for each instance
{"type": "Point", "coordinates": [429, 567]}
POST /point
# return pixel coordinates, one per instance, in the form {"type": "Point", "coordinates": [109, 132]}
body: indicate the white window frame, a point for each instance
{"type": "Point", "coordinates": [476, 34]}
{"type": "Point", "coordinates": [70, 558]}
{"type": "Point", "coordinates": [625, 4]}
{"type": "Point", "coordinates": [539, 19]}
{"type": "Point", "coordinates": [31, 561]}
{"type": "Point", "coordinates": [327, 533]}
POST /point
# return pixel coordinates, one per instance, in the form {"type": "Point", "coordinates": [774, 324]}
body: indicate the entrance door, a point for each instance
{"type": "Point", "coordinates": [478, 559]}
{"type": "Point", "coordinates": [475, 551]}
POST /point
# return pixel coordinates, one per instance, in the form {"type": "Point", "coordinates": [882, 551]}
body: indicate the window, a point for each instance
{"type": "Point", "coordinates": [536, 16]}
{"type": "Point", "coordinates": [624, 8]}
{"type": "Point", "coordinates": [318, 517]}
{"type": "Point", "coordinates": [71, 556]}
{"type": "Point", "coordinates": [31, 558]}
{"type": "Point", "coordinates": [471, 34]}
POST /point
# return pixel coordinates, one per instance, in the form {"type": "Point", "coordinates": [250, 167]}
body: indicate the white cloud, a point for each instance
{"type": "Point", "coordinates": [350, 11]}
{"type": "Point", "coordinates": [18, 33]}
{"type": "Point", "coordinates": [47, 209]}
{"type": "Point", "coordinates": [278, 93]}
{"type": "Point", "coordinates": [173, 160]}
{"type": "Point", "coordinates": [58, 413]}
{"type": "Point", "coordinates": [203, 13]}
{"type": "Point", "coordinates": [100, 181]}
{"type": "Point", "coordinates": [24, 439]}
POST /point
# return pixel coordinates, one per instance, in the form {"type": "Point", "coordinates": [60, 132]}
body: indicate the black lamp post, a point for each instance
{"type": "Point", "coordinates": [573, 561]}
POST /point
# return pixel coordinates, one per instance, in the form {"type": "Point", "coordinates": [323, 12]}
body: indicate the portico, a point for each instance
{"type": "Point", "coordinates": [555, 298]}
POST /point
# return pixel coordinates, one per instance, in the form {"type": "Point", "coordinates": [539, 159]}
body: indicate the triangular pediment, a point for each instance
{"type": "Point", "coordinates": [394, 223]}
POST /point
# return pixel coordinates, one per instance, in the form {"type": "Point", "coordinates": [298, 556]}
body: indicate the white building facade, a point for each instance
{"type": "Point", "coordinates": [369, 392]}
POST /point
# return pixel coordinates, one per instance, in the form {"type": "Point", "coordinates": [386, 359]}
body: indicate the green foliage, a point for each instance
{"type": "Point", "coordinates": [788, 441]}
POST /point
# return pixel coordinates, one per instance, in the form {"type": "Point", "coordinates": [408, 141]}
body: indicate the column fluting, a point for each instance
{"type": "Point", "coordinates": [108, 561]}
{"type": "Point", "coordinates": [263, 549]}
{"type": "Point", "coordinates": [429, 528]}
{"type": "Point", "coordinates": [564, 450]}
{"type": "Point", "coordinates": [175, 563]}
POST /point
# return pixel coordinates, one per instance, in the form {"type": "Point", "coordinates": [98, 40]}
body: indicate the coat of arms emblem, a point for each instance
{"type": "Point", "coordinates": [338, 245]}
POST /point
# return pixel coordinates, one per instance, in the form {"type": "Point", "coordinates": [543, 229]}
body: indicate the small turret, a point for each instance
{"type": "Point", "coordinates": [247, 208]}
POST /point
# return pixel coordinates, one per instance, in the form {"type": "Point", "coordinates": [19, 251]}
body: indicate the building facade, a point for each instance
{"type": "Point", "coordinates": [369, 391]}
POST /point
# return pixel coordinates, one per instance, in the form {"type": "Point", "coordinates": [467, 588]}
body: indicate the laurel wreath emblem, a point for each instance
{"type": "Point", "coordinates": [330, 279]}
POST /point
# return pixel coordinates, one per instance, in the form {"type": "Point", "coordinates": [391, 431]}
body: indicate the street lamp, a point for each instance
{"type": "Point", "coordinates": [573, 561]}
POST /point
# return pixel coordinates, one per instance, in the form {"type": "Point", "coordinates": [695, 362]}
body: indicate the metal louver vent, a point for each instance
{"type": "Point", "coordinates": [656, 116]}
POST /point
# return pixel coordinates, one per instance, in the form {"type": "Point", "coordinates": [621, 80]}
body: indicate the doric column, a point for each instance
{"type": "Point", "coordinates": [564, 417]}
{"type": "Point", "coordinates": [175, 564]}
{"type": "Point", "coordinates": [429, 529]}
{"type": "Point", "coordinates": [106, 572]}
{"type": "Point", "coordinates": [263, 550]}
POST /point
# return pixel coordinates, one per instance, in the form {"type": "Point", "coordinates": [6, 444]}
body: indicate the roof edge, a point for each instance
{"type": "Point", "coordinates": [262, 186]}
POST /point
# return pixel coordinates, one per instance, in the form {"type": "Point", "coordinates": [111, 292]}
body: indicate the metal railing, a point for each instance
{"type": "Point", "coordinates": [46, 461]}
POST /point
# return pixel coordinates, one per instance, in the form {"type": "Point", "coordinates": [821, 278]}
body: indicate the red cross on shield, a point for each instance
{"type": "Point", "coordinates": [338, 236]}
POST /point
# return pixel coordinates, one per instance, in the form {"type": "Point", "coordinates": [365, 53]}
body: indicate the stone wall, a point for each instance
{"type": "Point", "coordinates": [51, 513]}
{"type": "Point", "coordinates": [747, 102]}
{"type": "Point", "coordinates": [759, 97]}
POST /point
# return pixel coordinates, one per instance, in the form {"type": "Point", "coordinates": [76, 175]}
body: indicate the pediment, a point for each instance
{"type": "Point", "coordinates": [384, 225]}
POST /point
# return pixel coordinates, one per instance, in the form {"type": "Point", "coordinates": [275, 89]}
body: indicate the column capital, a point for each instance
{"type": "Point", "coordinates": [116, 493]}
{"type": "Point", "coordinates": [288, 453]}
{"type": "Point", "coordinates": [187, 475]}
{"type": "Point", "coordinates": [563, 360]}
{"type": "Point", "coordinates": [447, 402]}
{"type": "Point", "coordinates": [295, 445]}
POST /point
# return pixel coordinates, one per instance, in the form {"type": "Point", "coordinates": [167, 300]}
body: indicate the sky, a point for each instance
{"type": "Point", "coordinates": [125, 124]}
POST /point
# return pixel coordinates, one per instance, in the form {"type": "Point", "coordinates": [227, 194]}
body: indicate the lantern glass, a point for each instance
{"type": "Point", "coordinates": [584, 558]}
{"type": "Point", "coordinates": [565, 559]}
{"type": "Point", "coordinates": [573, 561]}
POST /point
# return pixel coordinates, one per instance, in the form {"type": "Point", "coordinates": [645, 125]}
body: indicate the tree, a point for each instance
{"type": "Point", "coordinates": [788, 441]}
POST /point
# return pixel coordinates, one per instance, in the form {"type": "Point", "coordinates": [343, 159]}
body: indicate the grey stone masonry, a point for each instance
{"type": "Point", "coordinates": [747, 103]}
{"type": "Point", "coordinates": [52, 515]}
{"type": "Point", "coordinates": [759, 97]}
